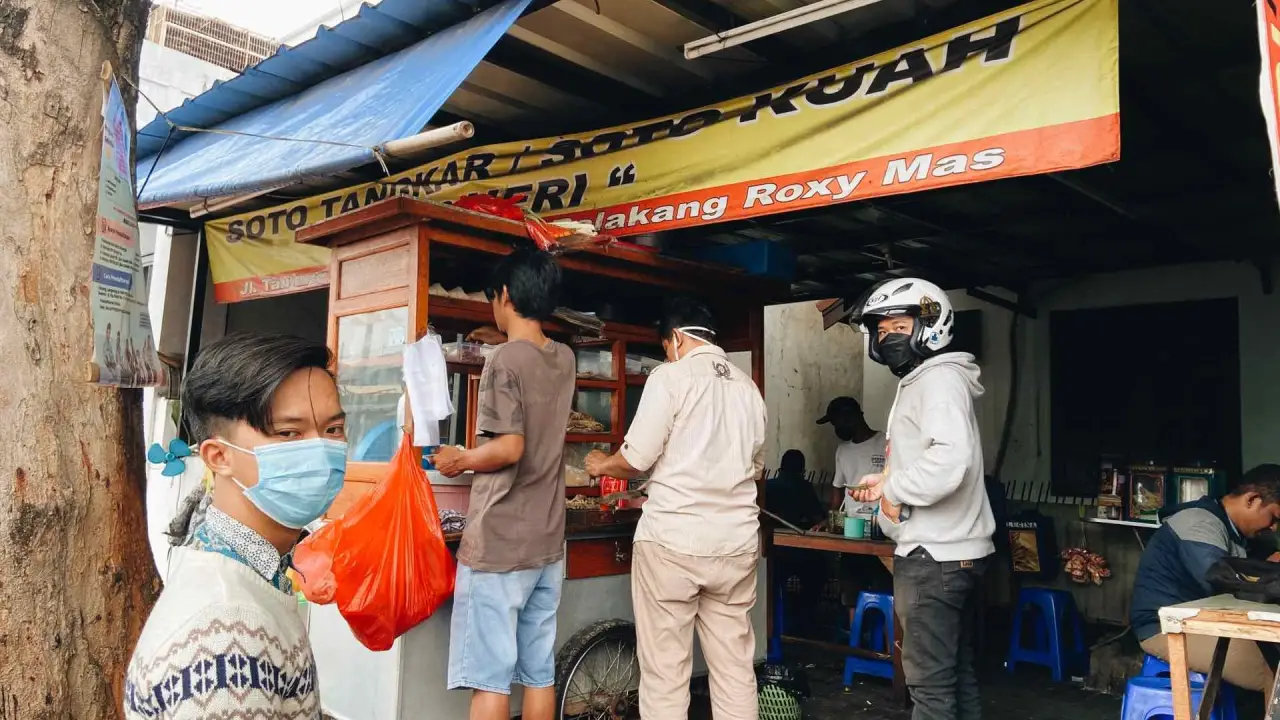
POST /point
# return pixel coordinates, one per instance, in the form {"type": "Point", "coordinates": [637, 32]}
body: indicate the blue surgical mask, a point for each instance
{"type": "Point", "coordinates": [297, 480]}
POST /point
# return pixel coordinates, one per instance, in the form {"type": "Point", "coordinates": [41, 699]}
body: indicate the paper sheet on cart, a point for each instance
{"type": "Point", "coordinates": [428, 380]}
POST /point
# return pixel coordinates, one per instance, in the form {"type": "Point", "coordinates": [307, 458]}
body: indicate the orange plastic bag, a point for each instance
{"type": "Point", "coordinates": [384, 562]}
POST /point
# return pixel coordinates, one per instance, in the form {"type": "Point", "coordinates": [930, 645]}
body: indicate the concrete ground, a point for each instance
{"type": "Point", "coordinates": [1030, 695]}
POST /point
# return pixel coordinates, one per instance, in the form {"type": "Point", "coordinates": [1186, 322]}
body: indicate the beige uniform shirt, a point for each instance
{"type": "Point", "coordinates": [700, 430]}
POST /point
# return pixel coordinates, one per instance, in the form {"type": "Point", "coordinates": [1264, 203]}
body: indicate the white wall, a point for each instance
{"type": "Point", "coordinates": [167, 77]}
{"type": "Point", "coordinates": [172, 283]}
{"type": "Point", "coordinates": [805, 367]}
{"type": "Point", "coordinates": [1028, 455]}
{"type": "Point", "coordinates": [332, 14]}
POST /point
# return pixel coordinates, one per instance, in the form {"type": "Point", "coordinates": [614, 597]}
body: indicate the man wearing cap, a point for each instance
{"type": "Point", "coordinates": [699, 433]}
{"type": "Point", "coordinates": [861, 450]}
{"type": "Point", "coordinates": [860, 453]}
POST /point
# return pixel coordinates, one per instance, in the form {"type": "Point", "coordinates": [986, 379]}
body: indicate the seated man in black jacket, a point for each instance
{"type": "Point", "coordinates": [791, 497]}
{"type": "Point", "coordinates": [1191, 539]}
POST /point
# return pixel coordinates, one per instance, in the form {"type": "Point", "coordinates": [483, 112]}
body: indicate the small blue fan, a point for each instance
{"type": "Point", "coordinates": [171, 458]}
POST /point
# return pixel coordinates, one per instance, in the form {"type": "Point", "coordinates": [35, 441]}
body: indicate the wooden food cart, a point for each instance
{"type": "Point", "coordinates": [402, 266]}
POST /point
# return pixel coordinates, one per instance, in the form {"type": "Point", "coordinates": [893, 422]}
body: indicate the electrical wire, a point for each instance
{"type": "Point", "coordinates": [377, 152]}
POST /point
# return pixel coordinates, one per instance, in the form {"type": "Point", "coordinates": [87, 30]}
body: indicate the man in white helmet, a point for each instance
{"type": "Point", "coordinates": [932, 496]}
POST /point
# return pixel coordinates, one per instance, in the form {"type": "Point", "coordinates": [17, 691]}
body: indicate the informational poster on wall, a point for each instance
{"type": "Point", "coordinates": [1032, 89]}
{"type": "Point", "coordinates": [124, 348]}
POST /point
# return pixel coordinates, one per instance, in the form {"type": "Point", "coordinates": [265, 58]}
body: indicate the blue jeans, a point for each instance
{"type": "Point", "coordinates": [503, 630]}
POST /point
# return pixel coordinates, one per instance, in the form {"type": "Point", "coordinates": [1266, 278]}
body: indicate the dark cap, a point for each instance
{"type": "Point", "coordinates": [841, 407]}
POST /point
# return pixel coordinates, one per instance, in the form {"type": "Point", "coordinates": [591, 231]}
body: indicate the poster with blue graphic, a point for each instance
{"type": "Point", "coordinates": [124, 349]}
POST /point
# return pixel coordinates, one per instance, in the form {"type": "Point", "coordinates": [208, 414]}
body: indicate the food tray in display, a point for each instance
{"type": "Point", "coordinates": [467, 353]}
{"type": "Point", "coordinates": [641, 364]}
{"type": "Point", "coordinates": [576, 477]}
{"type": "Point", "coordinates": [594, 364]}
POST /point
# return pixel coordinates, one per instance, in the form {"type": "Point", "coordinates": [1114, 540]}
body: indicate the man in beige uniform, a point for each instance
{"type": "Point", "coordinates": [700, 431]}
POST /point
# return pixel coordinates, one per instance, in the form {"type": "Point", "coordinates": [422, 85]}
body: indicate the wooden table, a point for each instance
{"type": "Point", "coordinates": [827, 542]}
{"type": "Point", "coordinates": [1223, 617]}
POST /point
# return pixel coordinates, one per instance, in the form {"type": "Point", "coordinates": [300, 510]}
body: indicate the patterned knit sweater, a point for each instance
{"type": "Point", "coordinates": [221, 644]}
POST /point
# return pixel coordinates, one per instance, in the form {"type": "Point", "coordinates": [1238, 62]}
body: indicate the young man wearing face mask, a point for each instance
{"type": "Point", "coordinates": [932, 495]}
{"type": "Point", "coordinates": [699, 432]}
{"type": "Point", "coordinates": [511, 561]}
{"type": "Point", "coordinates": [225, 639]}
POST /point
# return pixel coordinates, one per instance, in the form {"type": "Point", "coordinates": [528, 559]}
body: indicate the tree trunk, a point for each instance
{"type": "Point", "coordinates": [76, 577]}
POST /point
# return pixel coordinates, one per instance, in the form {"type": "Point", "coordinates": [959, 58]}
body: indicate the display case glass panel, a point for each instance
{"type": "Point", "coordinates": [370, 347]}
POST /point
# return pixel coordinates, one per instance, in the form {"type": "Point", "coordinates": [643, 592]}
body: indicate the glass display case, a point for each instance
{"type": "Point", "coordinates": [595, 362]}
{"type": "Point", "coordinates": [575, 455]}
{"type": "Point", "coordinates": [384, 260]}
{"type": "Point", "coordinates": [593, 412]}
{"type": "Point", "coordinates": [370, 347]}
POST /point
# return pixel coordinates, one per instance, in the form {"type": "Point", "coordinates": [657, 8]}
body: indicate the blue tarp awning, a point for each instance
{"type": "Point", "coordinates": [387, 99]}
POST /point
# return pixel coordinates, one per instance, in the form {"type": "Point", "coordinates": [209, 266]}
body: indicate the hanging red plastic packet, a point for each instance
{"type": "Point", "coordinates": [384, 562]}
{"type": "Point", "coordinates": [548, 237]}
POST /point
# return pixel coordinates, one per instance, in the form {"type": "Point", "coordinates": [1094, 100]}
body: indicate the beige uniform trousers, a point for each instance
{"type": "Point", "coordinates": [673, 593]}
{"type": "Point", "coordinates": [1245, 666]}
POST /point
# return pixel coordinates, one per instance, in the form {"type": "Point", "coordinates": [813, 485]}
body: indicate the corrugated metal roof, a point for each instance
{"type": "Point", "coordinates": [375, 31]}
{"type": "Point", "coordinates": [331, 126]}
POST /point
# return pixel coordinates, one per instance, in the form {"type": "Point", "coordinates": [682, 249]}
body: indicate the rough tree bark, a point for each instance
{"type": "Point", "coordinates": [76, 577]}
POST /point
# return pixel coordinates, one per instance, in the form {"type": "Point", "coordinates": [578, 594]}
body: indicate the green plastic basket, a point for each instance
{"type": "Point", "coordinates": [778, 704]}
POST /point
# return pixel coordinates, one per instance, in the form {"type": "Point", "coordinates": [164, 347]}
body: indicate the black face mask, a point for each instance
{"type": "Point", "coordinates": [844, 433]}
{"type": "Point", "coordinates": [897, 355]}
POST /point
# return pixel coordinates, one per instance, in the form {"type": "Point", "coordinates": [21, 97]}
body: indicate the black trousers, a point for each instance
{"type": "Point", "coordinates": [937, 603]}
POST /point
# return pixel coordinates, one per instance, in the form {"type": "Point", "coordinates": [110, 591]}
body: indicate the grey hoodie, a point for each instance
{"type": "Point", "coordinates": [935, 462]}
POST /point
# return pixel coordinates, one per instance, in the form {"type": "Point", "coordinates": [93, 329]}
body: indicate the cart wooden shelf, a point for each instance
{"type": "Point", "coordinates": [386, 258]}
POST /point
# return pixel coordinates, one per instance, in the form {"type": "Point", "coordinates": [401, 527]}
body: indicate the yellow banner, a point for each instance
{"type": "Point", "coordinates": [1030, 90]}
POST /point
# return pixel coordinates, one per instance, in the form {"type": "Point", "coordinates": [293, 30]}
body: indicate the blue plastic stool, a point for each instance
{"type": "Point", "coordinates": [1052, 610]}
{"type": "Point", "coordinates": [1146, 698]}
{"type": "Point", "coordinates": [874, 613]}
{"type": "Point", "coordinates": [873, 630]}
{"type": "Point", "coordinates": [1153, 666]}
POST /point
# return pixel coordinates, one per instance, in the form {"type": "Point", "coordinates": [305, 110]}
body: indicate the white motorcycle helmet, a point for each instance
{"type": "Point", "coordinates": [920, 299]}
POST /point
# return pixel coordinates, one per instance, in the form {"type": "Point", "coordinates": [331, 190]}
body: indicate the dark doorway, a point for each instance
{"type": "Point", "coordinates": [1145, 382]}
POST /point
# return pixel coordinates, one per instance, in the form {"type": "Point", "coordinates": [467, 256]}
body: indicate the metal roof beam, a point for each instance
{"type": "Point", "coordinates": [796, 17]}
{"type": "Point", "coordinates": [578, 59]}
{"type": "Point", "coordinates": [716, 18]}
{"type": "Point", "coordinates": [1016, 254]}
{"type": "Point", "coordinates": [555, 72]}
{"type": "Point", "coordinates": [635, 39]}
{"type": "Point", "coordinates": [1161, 232]}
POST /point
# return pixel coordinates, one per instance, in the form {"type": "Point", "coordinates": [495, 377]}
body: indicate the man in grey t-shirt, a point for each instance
{"type": "Point", "coordinates": [511, 562]}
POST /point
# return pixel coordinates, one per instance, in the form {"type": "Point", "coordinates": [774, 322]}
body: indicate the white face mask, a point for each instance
{"type": "Point", "coordinates": [675, 345]}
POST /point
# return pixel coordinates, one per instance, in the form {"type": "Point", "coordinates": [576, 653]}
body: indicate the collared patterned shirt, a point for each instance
{"type": "Point", "coordinates": [222, 534]}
